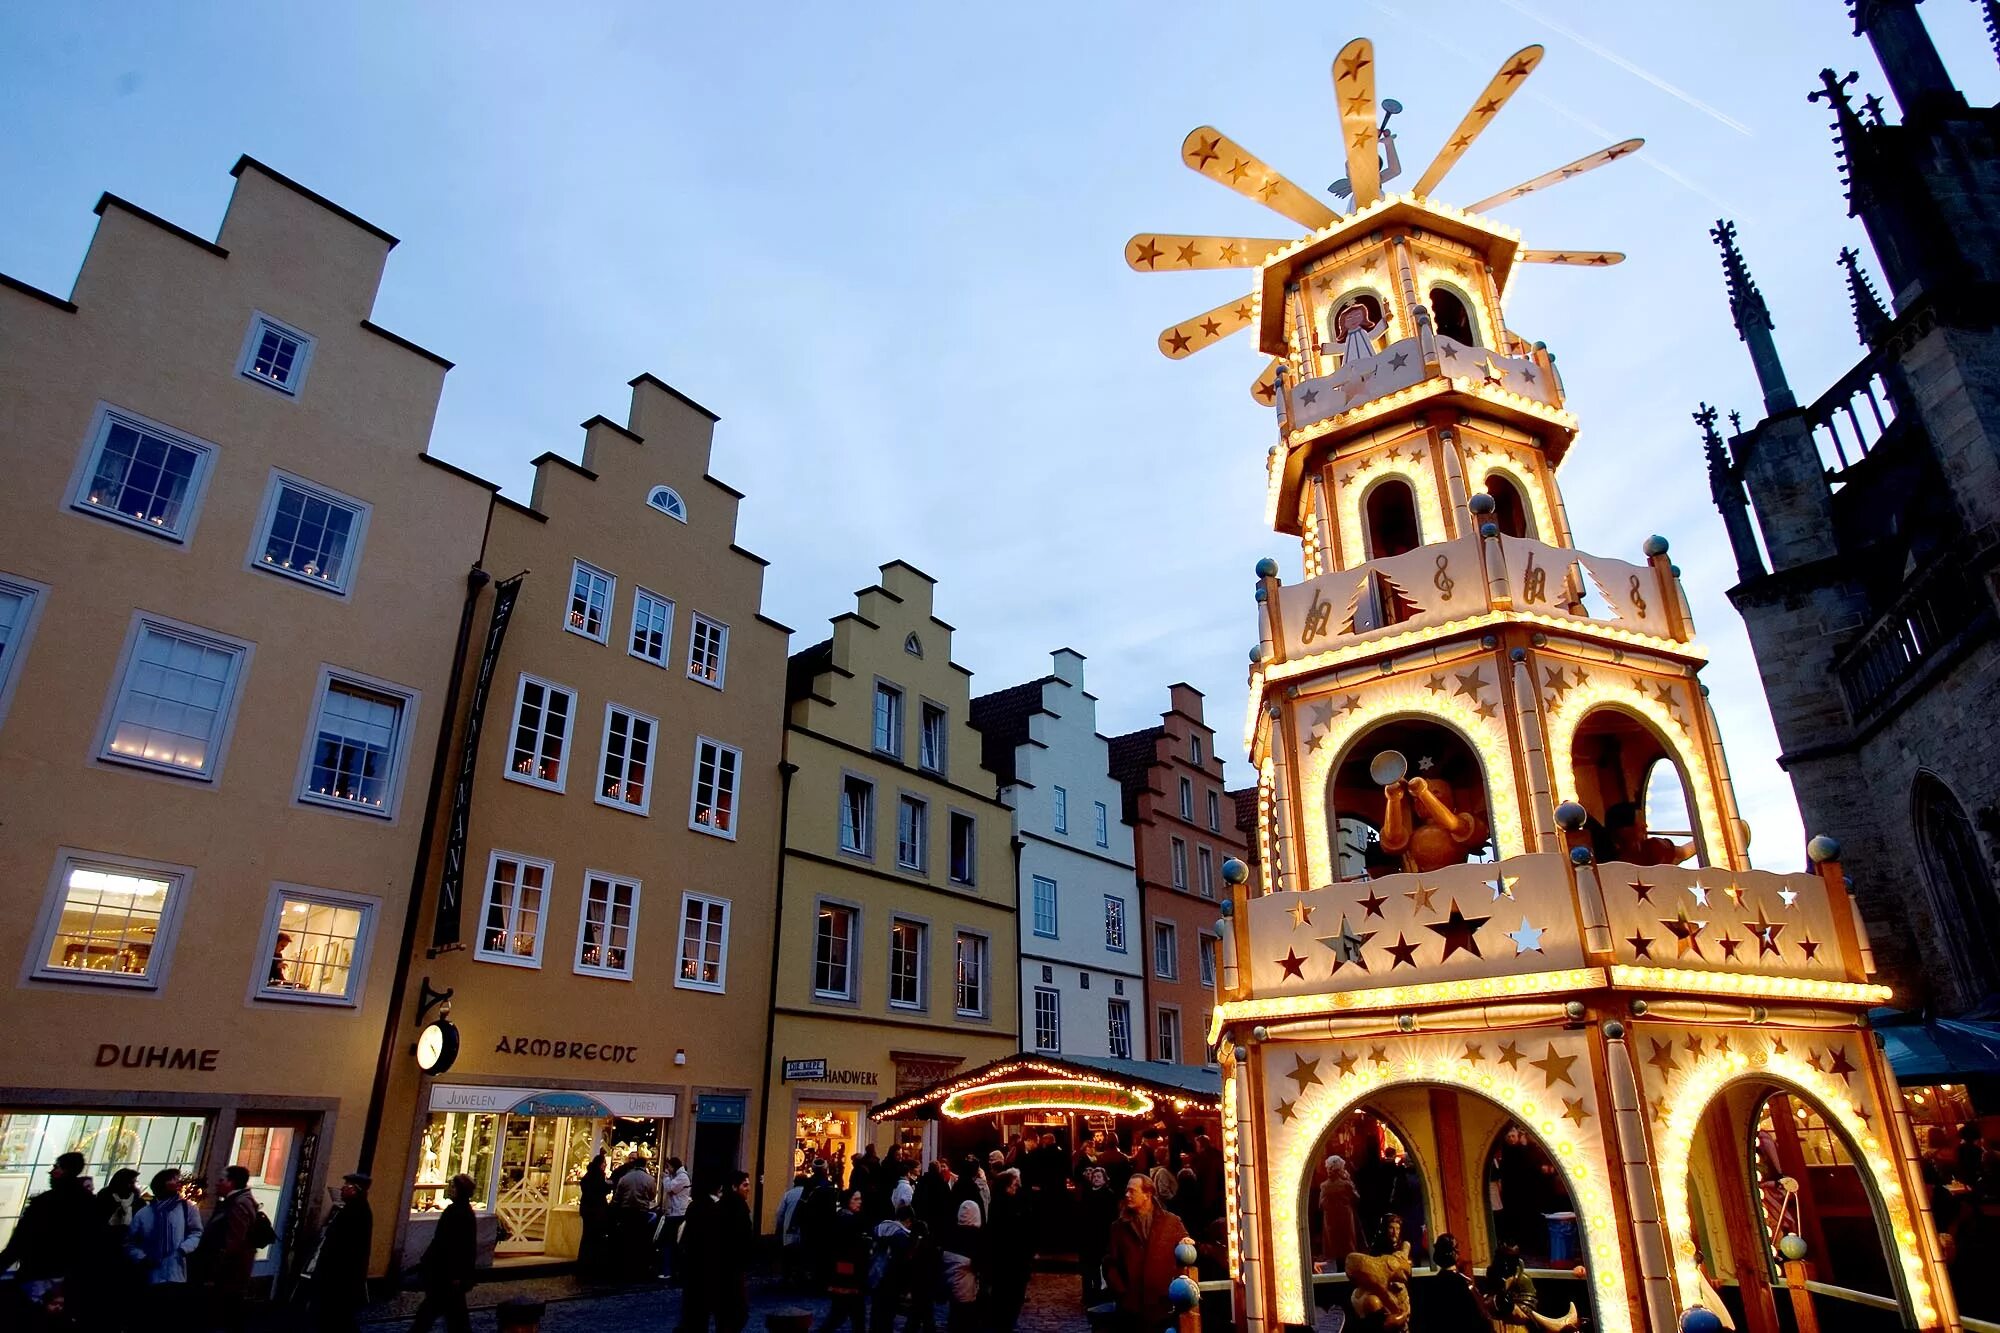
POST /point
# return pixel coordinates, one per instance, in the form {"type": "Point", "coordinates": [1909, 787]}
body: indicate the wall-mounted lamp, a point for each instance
{"type": "Point", "coordinates": [680, 1057]}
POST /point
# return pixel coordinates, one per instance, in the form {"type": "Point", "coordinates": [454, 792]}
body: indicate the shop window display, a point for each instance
{"type": "Point", "coordinates": [31, 1141]}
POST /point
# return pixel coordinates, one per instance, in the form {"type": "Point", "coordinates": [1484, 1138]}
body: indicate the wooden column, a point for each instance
{"type": "Point", "coordinates": [1449, 1144]}
{"type": "Point", "coordinates": [1746, 1241]}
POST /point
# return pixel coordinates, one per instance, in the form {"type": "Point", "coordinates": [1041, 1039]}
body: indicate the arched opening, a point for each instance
{"type": "Point", "coordinates": [1390, 513]}
{"type": "Point", "coordinates": [1805, 1183]}
{"type": "Point", "coordinates": [1357, 326]}
{"type": "Point", "coordinates": [1510, 509]}
{"type": "Point", "coordinates": [668, 501]}
{"type": "Point", "coordinates": [1635, 790]}
{"type": "Point", "coordinates": [1451, 317]}
{"type": "Point", "coordinates": [1408, 794]}
{"type": "Point", "coordinates": [1366, 1170]}
{"type": "Point", "coordinates": [1961, 887]}
{"type": "Point", "coordinates": [1527, 1204]}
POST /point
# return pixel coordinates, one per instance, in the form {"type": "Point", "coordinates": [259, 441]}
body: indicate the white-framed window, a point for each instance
{"type": "Point", "coordinates": [1061, 810]}
{"type": "Point", "coordinates": [143, 474]}
{"type": "Point", "coordinates": [704, 961]}
{"type": "Point", "coordinates": [1118, 1021]}
{"type": "Point", "coordinates": [624, 776]}
{"type": "Point", "coordinates": [1103, 815]}
{"type": "Point", "coordinates": [708, 650]}
{"type": "Point", "coordinates": [607, 926]}
{"type": "Point", "coordinates": [20, 608]}
{"type": "Point", "coordinates": [652, 626]}
{"type": "Point", "coordinates": [668, 501]}
{"type": "Point", "coordinates": [857, 815]}
{"type": "Point", "coordinates": [1168, 1030]}
{"type": "Point", "coordinates": [1177, 862]}
{"type": "Point", "coordinates": [109, 920]}
{"type": "Point", "coordinates": [315, 945]}
{"type": "Point", "coordinates": [888, 719]}
{"type": "Point", "coordinates": [176, 698]}
{"type": "Point", "coordinates": [913, 832]}
{"type": "Point", "coordinates": [712, 806]}
{"type": "Point", "coordinates": [1195, 750]}
{"type": "Point", "coordinates": [358, 748]}
{"type": "Point", "coordinates": [275, 355]}
{"type": "Point", "coordinates": [1048, 1020]}
{"type": "Point", "coordinates": [931, 742]}
{"type": "Point", "coordinates": [973, 954]}
{"type": "Point", "coordinates": [1045, 906]}
{"type": "Point", "coordinates": [1214, 813]}
{"type": "Point", "coordinates": [543, 715]}
{"type": "Point", "coordinates": [1204, 864]}
{"type": "Point", "coordinates": [909, 943]}
{"type": "Point", "coordinates": [309, 534]}
{"type": "Point", "coordinates": [1114, 923]}
{"type": "Point", "coordinates": [964, 847]}
{"type": "Point", "coordinates": [833, 951]}
{"type": "Point", "coordinates": [590, 594]}
{"type": "Point", "coordinates": [511, 919]}
{"type": "Point", "coordinates": [1208, 944]}
{"type": "Point", "coordinates": [1187, 800]}
{"type": "Point", "coordinates": [1166, 951]}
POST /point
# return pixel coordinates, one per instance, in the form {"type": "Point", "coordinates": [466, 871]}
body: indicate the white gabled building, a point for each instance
{"type": "Point", "coordinates": [1082, 980]}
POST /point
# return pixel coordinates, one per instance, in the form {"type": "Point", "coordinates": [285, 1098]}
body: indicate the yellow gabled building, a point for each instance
{"type": "Point", "coordinates": [897, 947]}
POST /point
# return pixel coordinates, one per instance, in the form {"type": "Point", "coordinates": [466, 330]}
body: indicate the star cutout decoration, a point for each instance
{"type": "Point", "coordinates": [1643, 889]}
{"type": "Point", "coordinates": [1658, 1107]}
{"type": "Point", "coordinates": [1778, 1046]}
{"type": "Point", "coordinates": [1349, 704]}
{"type": "Point", "coordinates": [1809, 947]}
{"type": "Point", "coordinates": [1458, 932]}
{"type": "Point", "coordinates": [1555, 1068]}
{"type": "Point", "coordinates": [1722, 1046]}
{"type": "Point", "coordinates": [1425, 763]}
{"type": "Point", "coordinates": [1474, 1052]}
{"type": "Point", "coordinates": [1767, 932]}
{"type": "Point", "coordinates": [1490, 371]}
{"type": "Point", "coordinates": [1301, 914]}
{"type": "Point", "coordinates": [1642, 946]}
{"type": "Point", "coordinates": [1573, 1111]}
{"type": "Point", "coordinates": [1510, 1055]}
{"type": "Point", "coordinates": [1529, 376]}
{"type": "Point", "coordinates": [1242, 311]}
{"type": "Point", "coordinates": [1186, 254]}
{"type": "Point", "coordinates": [1204, 152]}
{"type": "Point", "coordinates": [1309, 397]}
{"type": "Point", "coordinates": [1319, 717]}
{"type": "Point", "coordinates": [1344, 1062]}
{"type": "Point", "coordinates": [1285, 1110]}
{"type": "Point", "coordinates": [1665, 694]}
{"type": "Point", "coordinates": [1294, 965]}
{"type": "Point", "coordinates": [1305, 1073]}
{"type": "Point", "coordinates": [1692, 1045]}
{"type": "Point", "coordinates": [1528, 939]}
{"type": "Point", "coordinates": [1378, 1055]}
{"type": "Point", "coordinates": [1555, 682]}
{"type": "Point", "coordinates": [1729, 945]}
{"type": "Point", "coordinates": [1148, 253]}
{"type": "Point", "coordinates": [1355, 64]}
{"type": "Point", "coordinates": [1662, 1057]}
{"type": "Point", "coordinates": [1735, 892]}
{"type": "Point", "coordinates": [1448, 352]}
{"type": "Point", "coordinates": [1789, 897]}
{"type": "Point", "coordinates": [1686, 933]}
{"type": "Point", "coordinates": [1488, 710]}
{"type": "Point", "coordinates": [1813, 1059]}
{"type": "Point", "coordinates": [1211, 327]}
{"type": "Point", "coordinates": [1699, 892]}
{"type": "Point", "coordinates": [1399, 360]}
{"type": "Point", "coordinates": [1486, 108]}
{"type": "Point", "coordinates": [1237, 169]}
{"type": "Point", "coordinates": [1346, 946]}
{"type": "Point", "coordinates": [1403, 952]}
{"type": "Point", "coordinates": [1229, 252]}
{"type": "Point", "coordinates": [1436, 683]}
{"type": "Point", "coordinates": [1178, 341]}
{"type": "Point", "coordinates": [1421, 896]}
{"type": "Point", "coordinates": [1470, 683]}
{"type": "Point", "coordinates": [1372, 904]}
{"type": "Point", "coordinates": [1503, 886]}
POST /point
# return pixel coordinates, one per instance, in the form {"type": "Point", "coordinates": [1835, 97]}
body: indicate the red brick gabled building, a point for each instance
{"type": "Point", "coordinates": [1184, 826]}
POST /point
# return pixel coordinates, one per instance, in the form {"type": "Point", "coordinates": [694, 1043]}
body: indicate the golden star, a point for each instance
{"type": "Point", "coordinates": [1344, 1062]}
{"type": "Point", "coordinates": [1186, 254]}
{"type": "Point", "coordinates": [1510, 1054]}
{"type": "Point", "coordinates": [1177, 340]}
{"type": "Point", "coordinates": [1231, 251]}
{"type": "Point", "coordinates": [1474, 1052]}
{"type": "Point", "coordinates": [1470, 683]}
{"type": "Point", "coordinates": [1555, 1068]}
{"type": "Point", "coordinates": [1305, 1073]}
{"type": "Point", "coordinates": [1147, 252]}
{"type": "Point", "coordinates": [1486, 108]}
{"type": "Point", "coordinates": [1573, 1111]}
{"type": "Point", "coordinates": [1237, 170]}
{"type": "Point", "coordinates": [1355, 64]}
{"type": "Point", "coordinates": [1242, 312]}
{"type": "Point", "coordinates": [1662, 1057]}
{"type": "Point", "coordinates": [1284, 1111]}
{"type": "Point", "coordinates": [1518, 70]}
{"type": "Point", "coordinates": [1204, 152]}
{"type": "Point", "coordinates": [1210, 327]}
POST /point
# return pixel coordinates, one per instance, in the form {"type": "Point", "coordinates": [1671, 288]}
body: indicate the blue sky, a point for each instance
{"type": "Point", "coordinates": [884, 243]}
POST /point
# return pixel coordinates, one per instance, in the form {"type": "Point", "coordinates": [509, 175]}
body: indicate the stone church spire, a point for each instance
{"type": "Point", "coordinates": [1869, 317]}
{"type": "Point", "coordinates": [1753, 320]}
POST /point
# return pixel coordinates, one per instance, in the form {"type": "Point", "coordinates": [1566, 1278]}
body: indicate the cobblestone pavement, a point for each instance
{"type": "Point", "coordinates": [573, 1306]}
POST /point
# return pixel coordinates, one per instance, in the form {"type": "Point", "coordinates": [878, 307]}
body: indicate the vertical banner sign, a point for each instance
{"type": "Point", "coordinates": [451, 883]}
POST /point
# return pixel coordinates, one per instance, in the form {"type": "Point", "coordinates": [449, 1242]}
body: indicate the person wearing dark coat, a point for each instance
{"type": "Point", "coordinates": [1140, 1260]}
{"type": "Point", "coordinates": [227, 1254]}
{"type": "Point", "coordinates": [847, 1270]}
{"type": "Point", "coordinates": [1010, 1253]}
{"type": "Point", "coordinates": [700, 1255]}
{"type": "Point", "coordinates": [727, 1261]}
{"type": "Point", "coordinates": [1450, 1302]}
{"type": "Point", "coordinates": [52, 1236]}
{"type": "Point", "coordinates": [1096, 1210]}
{"type": "Point", "coordinates": [593, 1207]}
{"type": "Point", "coordinates": [450, 1262]}
{"type": "Point", "coordinates": [339, 1267]}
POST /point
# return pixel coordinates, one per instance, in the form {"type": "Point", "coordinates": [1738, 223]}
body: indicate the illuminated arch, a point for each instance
{"type": "Point", "coordinates": [1580, 701]}
{"type": "Point", "coordinates": [1354, 291]}
{"type": "Point", "coordinates": [1489, 460]}
{"type": "Point", "coordinates": [1585, 1172]}
{"type": "Point", "coordinates": [1377, 492]}
{"type": "Point", "coordinates": [1688, 1097]}
{"type": "Point", "coordinates": [1404, 697]}
{"type": "Point", "coordinates": [1351, 484]}
{"type": "Point", "coordinates": [1473, 315]}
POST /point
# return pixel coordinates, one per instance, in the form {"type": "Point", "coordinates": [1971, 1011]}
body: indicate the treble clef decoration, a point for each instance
{"type": "Point", "coordinates": [1637, 600]}
{"type": "Point", "coordinates": [1442, 579]}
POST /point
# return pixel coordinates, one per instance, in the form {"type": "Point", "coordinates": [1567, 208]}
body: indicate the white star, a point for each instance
{"type": "Point", "coordinates": [1788, 896]}
{"type": "Point", "coordinates": [1503, 886]}
{"type": "Point", "coordinates": [1700, 894]}
{"type": "Point", "coordinates": [1528, 939]}
{"type": "Point", "coordinates": [1425, 764]}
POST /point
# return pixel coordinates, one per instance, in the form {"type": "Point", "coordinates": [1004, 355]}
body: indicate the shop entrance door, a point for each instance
{"type": "Point", "coordinates": [540, 1158]}
{"type": "Point", "coordinates": [277, 1151]}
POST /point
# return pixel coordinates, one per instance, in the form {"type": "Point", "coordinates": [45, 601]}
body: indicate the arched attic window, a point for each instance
{"type": "Point", "coordinates": [1961, 887]}
{"type": "Point", "coordinates": [668, 501]}
{"type": "Point", "coordinates": [1510, 513]}
{"type": "Point", "coordinates": [1391, 515]}
{"type": "Point", "coordinates": [1451, 317]}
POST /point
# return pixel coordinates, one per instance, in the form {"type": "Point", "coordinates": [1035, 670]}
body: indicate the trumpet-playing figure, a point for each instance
{"type": "Point", "coordinates": [1421, 825]}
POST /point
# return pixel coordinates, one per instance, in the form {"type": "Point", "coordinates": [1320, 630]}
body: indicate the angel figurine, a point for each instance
{"type": "Point", "coordinates": [1356, 327]}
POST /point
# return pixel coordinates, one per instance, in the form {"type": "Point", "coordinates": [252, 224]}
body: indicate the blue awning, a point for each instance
{"type": "Point", "coordinates": [562, 1103]}
{"type": "Point", "coordinates": [1937, 1050]}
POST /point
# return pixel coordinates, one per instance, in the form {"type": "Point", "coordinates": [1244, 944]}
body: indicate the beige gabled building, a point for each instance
{"type": "Point", "coordinates": [230, 577]}
{"type": "Point", "coordinates": [897, 951]}
{"type": "Point", "coordinates": [599, 889]}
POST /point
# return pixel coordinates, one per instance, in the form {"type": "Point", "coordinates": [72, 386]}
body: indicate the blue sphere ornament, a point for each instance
{"type": "Point", "coordinates": [1792, 1246]}
{"type": "Point", "coordinates": [1570, 815]}
{"type": "Point", "coordinates": [1699, 1320]}
{"type": "Point", "coordinates": [1482, 504]}
{"type": "Point", "coordinates": [1267, 568]}
{"type": "Point", "coordinates": [1182, 1293]}
{"type": "Point", "coordinates": [1234, 871]}
{"type": "Point", "coordinates": [1823, 848]}
{"type": "Point", "coordinates": [1579, 856]}
{"type": "Point", "coordinates": [1260, 593]}
{"type": "Point", "coordinates": [1185, 1254]}
{"type": "Point", "coordinates": [1655, 545]}
{"type": "Point", "coordinates": [1489, 529]}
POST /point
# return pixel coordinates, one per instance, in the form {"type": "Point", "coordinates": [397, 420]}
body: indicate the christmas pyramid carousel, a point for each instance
{"type": "Point", "coordinates": [1507, 963]}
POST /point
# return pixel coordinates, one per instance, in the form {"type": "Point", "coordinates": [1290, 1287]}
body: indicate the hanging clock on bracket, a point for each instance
{"type": "Point", "coordinates": [437, 1045]}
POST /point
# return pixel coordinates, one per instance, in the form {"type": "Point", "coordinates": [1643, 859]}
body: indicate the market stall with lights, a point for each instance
{"type": "Point", "coordinates": [1511, 944]}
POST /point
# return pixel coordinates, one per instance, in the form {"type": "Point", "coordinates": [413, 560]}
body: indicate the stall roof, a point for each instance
{"type": "Point", "coordinates": [1198, 1086]}
{"type": "Point", "coordinates": [1937, 1050]}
